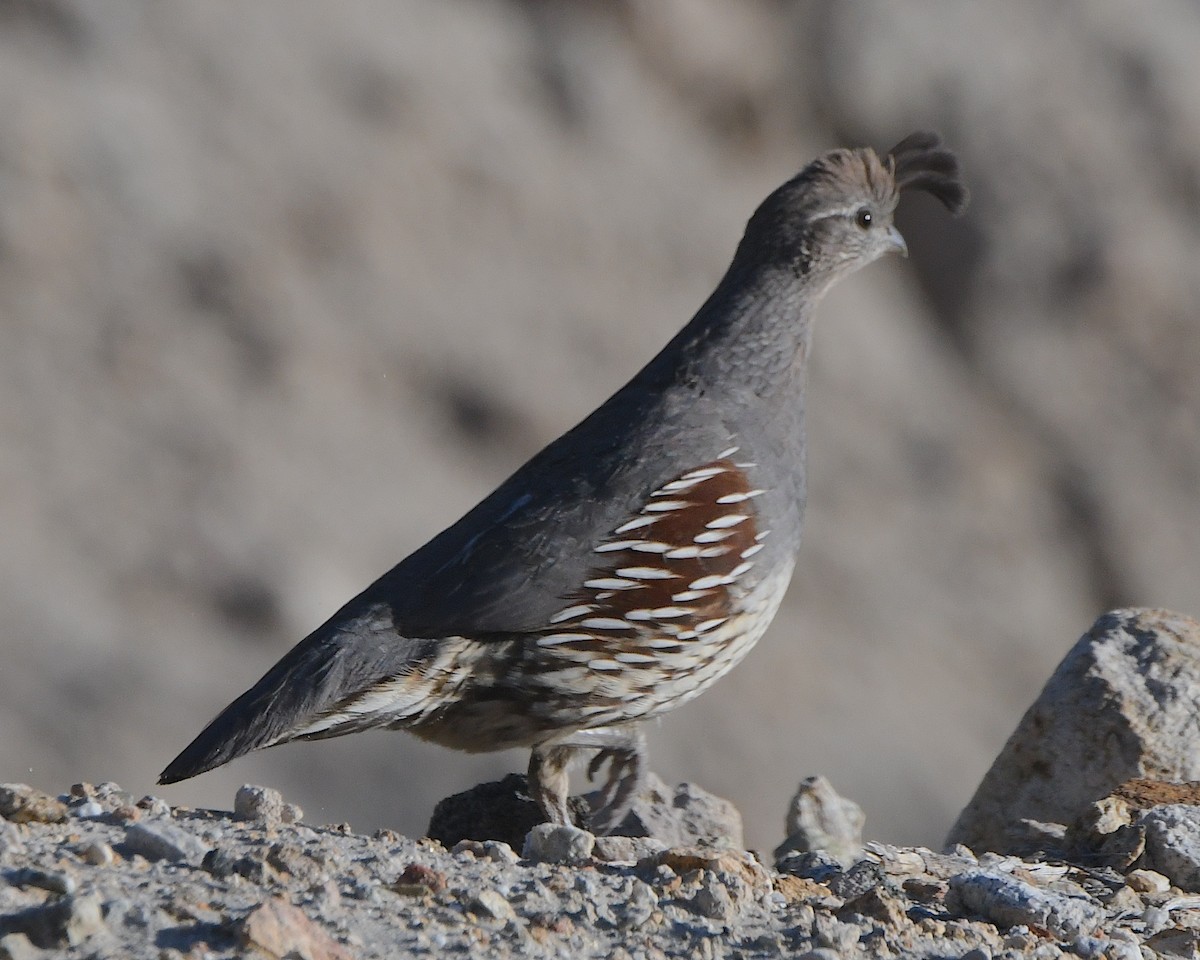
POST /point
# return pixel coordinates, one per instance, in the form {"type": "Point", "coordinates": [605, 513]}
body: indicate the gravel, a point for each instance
{"type": "Point", "coordinates": [135, 880]}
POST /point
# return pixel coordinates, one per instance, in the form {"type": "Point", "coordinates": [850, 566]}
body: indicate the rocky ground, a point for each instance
{"type": "Point", "coordinates": [285, 287]}
{"type": "Point", "coordinates": [97, 873]}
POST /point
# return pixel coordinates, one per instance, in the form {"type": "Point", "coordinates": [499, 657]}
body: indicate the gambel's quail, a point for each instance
{"type": "Point", "coordinates": [632, 562]}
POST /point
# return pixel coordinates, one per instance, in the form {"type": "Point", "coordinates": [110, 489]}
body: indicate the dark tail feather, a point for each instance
{"type": "Point", "coordinates": [355, 649]}
{"type": "Point", "coordinates": [921, 163]}
{"type": "Point", "coordinates": [258, 718]}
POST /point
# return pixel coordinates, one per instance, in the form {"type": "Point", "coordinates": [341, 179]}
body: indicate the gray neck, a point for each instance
{"type": "Point", "coordinates": [749, 341]}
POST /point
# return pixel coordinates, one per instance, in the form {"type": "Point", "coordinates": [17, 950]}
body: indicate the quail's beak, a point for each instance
{"type": "Point", "coordinates": [896, 241]}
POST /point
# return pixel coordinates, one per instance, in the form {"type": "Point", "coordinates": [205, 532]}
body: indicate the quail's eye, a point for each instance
{"type": "Point", "coordinates": [864, 217]}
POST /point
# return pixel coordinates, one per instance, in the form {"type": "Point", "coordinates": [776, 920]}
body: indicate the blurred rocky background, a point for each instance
{"type": "Point", "coordinates": [286, 286]}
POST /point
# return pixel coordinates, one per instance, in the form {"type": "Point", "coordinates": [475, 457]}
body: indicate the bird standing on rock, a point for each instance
{"type": "Point", "coordinates": [632, 562]}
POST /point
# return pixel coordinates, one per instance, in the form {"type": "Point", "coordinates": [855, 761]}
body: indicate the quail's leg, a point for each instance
{"type": "Point", "coordinates": [626, 759]}
{"type": "Point", "coordinates": [622, 749]}
{"type": "Point", "coordinates": [549, 780]}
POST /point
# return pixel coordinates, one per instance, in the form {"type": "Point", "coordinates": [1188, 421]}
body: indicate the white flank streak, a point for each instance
{"type": "Point", "coordinates": [604, 665]}
{"type": "Point", "coordinates": [646, 573]}
{"type": "Point", "coordinates": [571, 613]}
{"type": "Point", "coordinates": [683, 553]}
{"type": "Point", "coordinates": [664, 506]}
{"type": "Point", "coordinates": [635, 524]}
{"type": "Point", "coordinates": [706, 583]}
{"type": "Point", "coordinates": [688, 635]}
{"type": "Point", "coordinates": [760, 537]}
{"type": "Point", "coordinates": [553, 639]}
{"type": "Point", "coordinates": [728, 453]}
{"type": "Point", "coordinates": [688, 596]}
{"type": "Point", "coordinates": [604, 595]}
{"type": "Point", "coordinates": [635, 658]}
{"type": "Point", "coordinates": [609, 583]}
{"type": "Point", "coordinates": [619, 545]}
{"type": "Point", "coordinates": [703, 473]}
{"type": "Point", "coordinates": [712, 536]}
{"type": "Point", "coordinates": [604, 623]}
{"type": "Point", "coordinates": [729, 520]}
{"type": "Point", "coordinates": [710, 624]}
{"type": "Point", "coordinates": [686, 482]}
{"type": "Point", "coordinates": [661, 643]}
{"type": "Point", "coordinates": [751, 551]}
{"type": "Point", "coordinates": [738, 571]}
{"type": "Point", "coordinates": [714, 551]}
{"type": "Point", "coordinates": [669, 613]}
{"type": "Point", "coordinates": [739, 497]}
{"type": "Point", "coordinates": [652, 546]}
{"type": "Point", "coordinates": [640, 615]}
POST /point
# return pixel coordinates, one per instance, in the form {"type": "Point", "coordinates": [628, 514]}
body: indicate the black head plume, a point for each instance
{"type": "Point", "coordinates": [920, 162]}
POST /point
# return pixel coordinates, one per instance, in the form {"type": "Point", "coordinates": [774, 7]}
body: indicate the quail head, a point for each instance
{"type": "Point", "coordinates": [632, 562]}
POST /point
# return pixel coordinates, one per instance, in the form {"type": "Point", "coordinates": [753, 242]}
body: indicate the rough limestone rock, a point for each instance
{"type": "Point", "coordinates": [501, 810]}
{"type": "Point", "coordinates": [1122, 705]}
{"type": "Point", "coordinates": [819, 818]}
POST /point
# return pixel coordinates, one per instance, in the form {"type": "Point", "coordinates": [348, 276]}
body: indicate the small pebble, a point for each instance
{"type": "Point", "coordinates": [165, 841]}
{"type": "Point", "coordinates": [489, 903]}
{"type": "Point", "coordinates": [98, 853]}
{"type": "Point", "coordinates": [549, 843]}
{"type": "Point", "coordinates": [87, 810]}
{"type": "Point", "coordinates": [154, 806]}
{"type": "Point", "coordinates": [1148, 881]}
{"type": "Point", "coordinates": [258, 803]}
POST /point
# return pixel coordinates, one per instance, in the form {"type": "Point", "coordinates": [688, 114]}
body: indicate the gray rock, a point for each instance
{"type": "Point", "coordinates": [1008, 902]}
{"type": "Point", "coordinates": [265, 805]}
{"type": "Point", "coordinates": [638, 906]}
{"type": "Point", "coordinates": [97, 853]}
{"type": "Point", "coordinates": [682, 816]}
{"type": "Point", "coordinates": [61, 923]}
{"type": "Point", "coordinates": [16, 946]}
{"type": "Point", "coordinates": [819, 818]}
{"type": "Point", "coordinates": [159, 840]}
{"type": "Point", "coordinates": [21, 803]}
{"type": "Point", "coordinates": [1122, 704]}
{"type": "Point", "coordinates": [498, 810]}
{"type": "Point", "coordinates": [626, 849]}
{"type": "Point", "coordinates": [10, 840]}
{"type": "Point", "coordinates": [548, 843]}
{"type": "Point", "coordinates": [1172, 844]}
{"type": "Point", "coordinates": [489, 903]}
